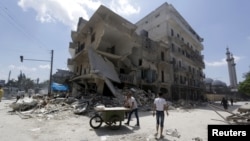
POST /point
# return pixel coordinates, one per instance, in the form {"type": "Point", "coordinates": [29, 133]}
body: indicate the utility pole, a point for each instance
{"type": "Point", "coordinates": [50, 76]}
{"type": "Point", "coordinates": [51, 68]}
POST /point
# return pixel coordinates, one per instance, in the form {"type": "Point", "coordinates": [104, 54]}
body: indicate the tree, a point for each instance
{"type": "Point", "coordinates": [12, 83]}
{"type": "Point", "coordinates": [244, 87]}
{"type": "Point", "coordinates": [28, 84]}
{"type": "Point", "coordinates": [24, 83]}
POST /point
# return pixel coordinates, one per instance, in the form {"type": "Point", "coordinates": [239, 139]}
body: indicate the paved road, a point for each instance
{"type": "Point", "coordinates": [190, 123]}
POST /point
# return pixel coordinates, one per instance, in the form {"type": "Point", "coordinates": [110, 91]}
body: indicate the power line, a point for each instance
{"type": "Point", "coordinates": [12, 20]}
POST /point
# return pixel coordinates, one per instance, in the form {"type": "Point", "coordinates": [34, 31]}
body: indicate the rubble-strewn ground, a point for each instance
{"type": "Point", "coordinates": [63, 125]}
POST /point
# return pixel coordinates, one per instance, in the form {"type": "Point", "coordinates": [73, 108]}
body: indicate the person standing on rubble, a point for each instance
{"type": "Point", "coordinates": [134, 108]}
{"type": "Point", "coordinates": [160, 104]}
{"type": "Point", "coordinates": [1, 92]}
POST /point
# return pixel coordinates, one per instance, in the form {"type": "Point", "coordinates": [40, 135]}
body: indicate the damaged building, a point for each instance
{"type": "Point", "coordinates": [161, 52]}
{"type": "Point", "coordinates": [185, 45]}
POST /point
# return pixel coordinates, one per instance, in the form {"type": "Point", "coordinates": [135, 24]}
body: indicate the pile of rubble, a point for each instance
{"type": "Point", "coordinates": [61, 107]}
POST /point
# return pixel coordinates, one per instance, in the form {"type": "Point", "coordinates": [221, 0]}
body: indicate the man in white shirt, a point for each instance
{"type": "Point", "coordinates": [160, 105]}
{"type": "Point", "coordinates": [134, 108]}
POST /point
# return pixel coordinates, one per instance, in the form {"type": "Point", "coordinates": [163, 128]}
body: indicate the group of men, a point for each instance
{"type": "Point", "coordinates": [160, 105]}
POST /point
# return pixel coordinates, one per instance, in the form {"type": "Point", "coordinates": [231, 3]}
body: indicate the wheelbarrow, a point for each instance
{"type": "Point", "coordinates": [111, 116]}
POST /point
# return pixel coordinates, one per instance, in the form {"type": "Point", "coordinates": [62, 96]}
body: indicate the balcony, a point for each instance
{"type": "Point", "coordinates": [126, 78]}
{"type": "Point", "coordinates": [74, 35]}
{"type": "Point", "coordinates": [72, 45]}
{"type": "Point", "coordinates": [70, 62]}
{"type": "Point", "coordinates": [176, 40]}
{"type": "Point", "coordinates": [79, 48]}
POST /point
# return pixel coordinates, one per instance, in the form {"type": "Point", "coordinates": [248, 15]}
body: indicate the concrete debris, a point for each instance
{"type": "Point", "coordinates": [197, 139]}
{"type": "Point", "coordinates": [187, 104]}
{"type": "Point", "coordinates": [35, 129]}
{"type": "Point", "coordinates": [23, 116]}
{"type": "Point", "coordinates": [23, 104]}
{"type": "Point", "coordinates": [244, 108]}
{"type": "Point", "coordinates": [173, 132]}
{"type": "Point", "coordinates": [63, 107]}
{"type": "Point", "coordinates": [80, 108]}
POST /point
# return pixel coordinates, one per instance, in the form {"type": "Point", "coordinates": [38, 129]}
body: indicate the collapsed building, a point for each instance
{"type": "Point", "coordinates": [161, 52]}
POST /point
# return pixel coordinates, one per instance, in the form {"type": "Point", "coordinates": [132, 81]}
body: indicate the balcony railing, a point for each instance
{"type": "Point", "coordinates": [126, 78]}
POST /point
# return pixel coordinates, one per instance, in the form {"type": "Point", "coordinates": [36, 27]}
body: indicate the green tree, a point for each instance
{"type": "Point", "coordinates": [12, 83]}
{"type": "Point", "coordinates": [24, 83]}
{"type": "Point", "coordinates": [28, 84]}
{"type": "Point", "coordinates": [244, 87]}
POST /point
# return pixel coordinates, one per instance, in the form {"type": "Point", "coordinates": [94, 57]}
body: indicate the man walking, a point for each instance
{"type": "Point", "coordinates": [160, 105]}
{"type": "Point", "coordinates": [134, 108]}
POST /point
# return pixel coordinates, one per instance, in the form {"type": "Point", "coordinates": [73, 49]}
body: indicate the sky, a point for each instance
{"type": "Point", "coordinates": [32, 28]}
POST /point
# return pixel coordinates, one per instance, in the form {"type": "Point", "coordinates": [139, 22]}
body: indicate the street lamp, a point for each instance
{"type": "Point", "coordinates": [51, 66]}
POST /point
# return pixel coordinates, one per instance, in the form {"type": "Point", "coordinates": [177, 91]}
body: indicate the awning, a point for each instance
{"type": "Point", "coordinates": [59, 87]}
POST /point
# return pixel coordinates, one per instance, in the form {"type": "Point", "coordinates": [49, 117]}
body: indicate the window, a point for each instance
{"type": "Point", "coordinates": [173, 49]}
{"type": "Point", "coordinates": [178, 36]}
{"type": "Point", "coordinates": [80, 70]}
{"type": "Point", "coordinates": [173, 60]}
{"type": "Point", "coordinates": [179, 63]}
{"type": "Point", "coordinates": [140, 62]}
{"type": "Point", "coordinates": [181, 79]}
{"type": "Point", "coordinates": [172, 32]}
{"type": "Point", "coordinates": [162, 56]}
{"type": "Point", "coordinates": [92, 37]}
{"type": "Point", "coordinates": [122, 70]}
{"type": "Point", "coordinates": [82, 46]}
{"type": "Point", "coordinates": [162, 76]}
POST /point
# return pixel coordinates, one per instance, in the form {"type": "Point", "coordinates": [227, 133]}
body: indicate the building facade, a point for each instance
{"type": "Point", "coordinates": [167, 25]}
{"type": "Point", "coordinates": [161, 52]}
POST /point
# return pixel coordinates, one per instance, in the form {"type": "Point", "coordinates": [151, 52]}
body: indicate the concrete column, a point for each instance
{"type": "Point", "coordinates": [100, 86]}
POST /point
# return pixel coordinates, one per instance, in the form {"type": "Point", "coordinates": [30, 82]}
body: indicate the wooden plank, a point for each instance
{"type": "Point", "coordinates": [219, 114]}
{"type": "Point", "coordinates": [112, 109]}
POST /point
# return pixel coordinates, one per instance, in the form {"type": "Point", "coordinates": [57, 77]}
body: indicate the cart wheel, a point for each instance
{"type": "Point", "coordinates": [115, 122]}
{"type": "Point", "coordinates": [95, 122]}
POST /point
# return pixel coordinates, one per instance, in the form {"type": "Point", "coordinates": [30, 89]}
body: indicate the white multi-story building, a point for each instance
{"type": "Point", "coordinates": [167, 25]}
